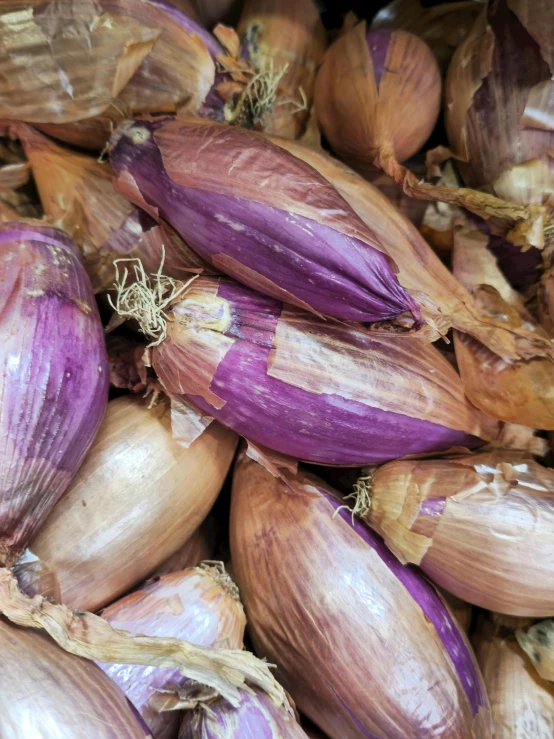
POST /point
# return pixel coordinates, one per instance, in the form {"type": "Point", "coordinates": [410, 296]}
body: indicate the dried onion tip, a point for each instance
{"type": "Point", "coordinates": [200, 605]}
{"type": "Point", "coordinates": [54, 376]}
{"type": "Point", "coordinates": [241, 358]}
{"type": "Point", "coordinates": [477, 525]}
{"type": "Point", "coordinates": [379, 652]}
{"type": "Point", "coordinates": [260, 215]}
{"type": "Point", "coordinates": [137, 498]}
{"type": "Point", "coordinates": [391, 102]}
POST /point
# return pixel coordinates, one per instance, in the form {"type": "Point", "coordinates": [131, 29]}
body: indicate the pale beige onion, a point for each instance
{"type": "Point", "coordinates": [137, 498]}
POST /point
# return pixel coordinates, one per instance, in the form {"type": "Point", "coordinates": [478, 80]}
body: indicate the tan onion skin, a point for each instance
{"type": "Point", "coordinates": [50, 694]}
{"type": "Point", "coordinates": [492, 546]}
{"type": "Point", "coordinates": [312, 590]}
{"type": "Point", "coordinates": [136, 499]}
{"type": "Point", "coordinates": [522, 704]}
{"type": "Point", "coordinates": [198, 548]}
{"type": "Point", "coordinates": [359, 118]}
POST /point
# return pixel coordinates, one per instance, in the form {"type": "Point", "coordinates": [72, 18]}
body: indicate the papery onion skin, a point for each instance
{"type": "Point", "coordinates": [136, 499]}
{"type": "Point", "coordinates": [308, 388]}
{"type": "Point", "coordinates": [479, 526]}
{"type": "Point", "coordinates": [391, 102]}
{"type": "Point", "coordinates": [54, 376]}
{"type": "Point", "coordinates": [260, 215]}
{"type": "Point", "coordinates": [48, 693]}
{"type": "Point", "coordinates": [198, 605]}
{"type": "Point", "coordinates": [522, 705]}
{"type": "Point", "coordinates": [363, 644]}
{"type": "Point", "coordinates": [256, 717]}
{"type": "Point", "coordinates": [487, 91]}
{"type": "Point", "coordinates": [77, 195]}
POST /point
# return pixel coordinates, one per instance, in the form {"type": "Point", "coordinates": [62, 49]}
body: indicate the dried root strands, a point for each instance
{"type": "Point", "coordinates": [288, 35]}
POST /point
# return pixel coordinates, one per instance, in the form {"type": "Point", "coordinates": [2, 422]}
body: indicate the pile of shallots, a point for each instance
{"type": "Point", "coordinates": [276, 370]}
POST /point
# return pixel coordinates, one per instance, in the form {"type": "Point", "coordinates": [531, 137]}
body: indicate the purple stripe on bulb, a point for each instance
{"type": "Point", "coordinates": [333, 273]}
{"type": "Point", "coordinates": [432, 507]}
{"type": "Point", "coordinates": [378, 44]}
{"type": "Point", "coordinates": [189, 25]}
{"type": "Point", "coordinates": [430, 603]}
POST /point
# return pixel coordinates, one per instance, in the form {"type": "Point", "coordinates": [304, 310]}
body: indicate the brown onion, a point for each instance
{"type": "Point", "coordinates": [480, 526]}
{"type": "Point", "coordinates": [363, 644]}
{"type": "Point", "coordinates": [522, 705]}
{"type": "Point", "coordinates": [136, 499]}
{"type": "Point", "coordinates": [199, 547]}
{"type": "Point", "coordinates": [285, 33]}
{"type": "Point", "coordinates": [442, 26]}
{"type": "Point", "coordinates": [48, 693]}
{"type": "Point", "coordinates": [391, 101]}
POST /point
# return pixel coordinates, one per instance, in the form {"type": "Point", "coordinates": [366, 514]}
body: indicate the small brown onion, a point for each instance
{"type": "Point", "coordinates": [200, 605]}
{"type": "Point", "coordinates": [285, 33]}
{"type": "Point", "coordinates": [136, 499]}
{"type": "Point", "coordinates": [48, 693]}
{"type": "Point", "coordinates": [517, 392]}
{"type": "Point", "coordinates": [442, 26]}
{"type": "Point", "coordinates": [522, 704]}
{"type": "Point", "coordinates": [391, 101]}
{"type": "Point", "coordinates": [480, 526]}
{"type": "Point", "coordinates": [77, 196]}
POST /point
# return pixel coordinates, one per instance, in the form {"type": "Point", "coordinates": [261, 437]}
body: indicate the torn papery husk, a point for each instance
{"type": "Point", "coordinates": [87, 635]}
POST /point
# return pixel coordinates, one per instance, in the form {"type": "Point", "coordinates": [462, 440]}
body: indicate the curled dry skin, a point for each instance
{"type": "Point", "coordinates": [84, 634]}
{"type": "Point", "coordinates": [469, 523]}
{"type": "Point", "coordinates": [522, 704]}
{"type": "Point", "coordinates": [200, 605]}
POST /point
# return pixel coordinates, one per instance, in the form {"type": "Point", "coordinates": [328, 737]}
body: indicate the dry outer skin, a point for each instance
{"type": "Point", "coordinates": [521, 392]}
{"type": "Point", "coordinates": [87, 635]}
{"type": "Point", "coordinates": [469, 523]}
{"type": "Point", "coordinates": [136, 499]}
{"type": "Point", "coordinates": [445, 301]}
{"type": "Point", "coordinates": [66, 60]}
{"type": "Point", "coordinates": [522, 704]}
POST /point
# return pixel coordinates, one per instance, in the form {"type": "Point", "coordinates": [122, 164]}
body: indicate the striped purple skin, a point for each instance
{"type": "Point", "coordinates": [326, 429]}
{"type": "Point", "coordinates": [430, 603]}
{"type": "Point", "coordinates": [53, 376]}
{"type": "Point", "coordinates": [432, 507]}
{"type": "Point", "coordinates": [378, 44]}
{"type": "Point", "coordinates": [335, 274]}
{"type": "Point", "coordinates": [255, 718]}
